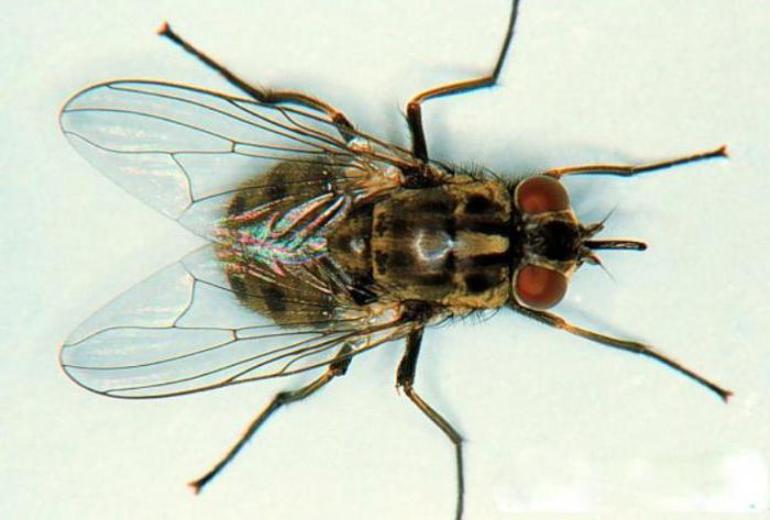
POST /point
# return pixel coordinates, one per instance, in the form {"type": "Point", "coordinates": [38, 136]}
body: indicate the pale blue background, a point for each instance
{"type": "Point", "coordinates": [553, 423]}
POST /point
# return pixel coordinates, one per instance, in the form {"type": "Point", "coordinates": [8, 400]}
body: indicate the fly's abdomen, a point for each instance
{"type": "Point", "coordinates": [448, 244]}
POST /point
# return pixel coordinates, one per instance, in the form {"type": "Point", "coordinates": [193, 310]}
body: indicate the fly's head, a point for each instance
{"type": "Point", "coordinates": [552, 243]}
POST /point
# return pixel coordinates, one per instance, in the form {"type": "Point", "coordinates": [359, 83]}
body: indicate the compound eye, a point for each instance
{"type": "Point", "coordinates": [540, 194]}
{"type": "Point", "coordinates": [539, 287]}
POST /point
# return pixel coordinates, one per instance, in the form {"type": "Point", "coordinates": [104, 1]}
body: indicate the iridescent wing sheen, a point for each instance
{"type": "Point", "coordinates": [183, 330]}
{"type": "Point", "coordinates": [186, 151]}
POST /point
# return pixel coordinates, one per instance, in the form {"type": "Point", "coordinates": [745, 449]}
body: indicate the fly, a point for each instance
{"type": "Point", "coordinates": [345, 242]}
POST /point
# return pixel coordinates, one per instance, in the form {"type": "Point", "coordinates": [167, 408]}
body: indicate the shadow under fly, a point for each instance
{"type": "Point", "coordinates": [343, 243]}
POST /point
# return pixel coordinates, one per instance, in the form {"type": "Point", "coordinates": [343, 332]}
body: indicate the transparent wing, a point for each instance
{"type": "Point", "coordinates": [183, 330]}
{"type": "Point", "coordinates": [185, 151]}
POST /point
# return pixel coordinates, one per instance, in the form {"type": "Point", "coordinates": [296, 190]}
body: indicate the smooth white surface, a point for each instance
{"type": "Point", "coordinates": [553, 423]}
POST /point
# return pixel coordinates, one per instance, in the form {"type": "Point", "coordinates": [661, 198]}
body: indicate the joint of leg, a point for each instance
{"type": "Point", "coordinates": [555, 321]}
{"type": "Point", "coordinates": [640, 348]}
{"type": "Point", "coordinates": [416, 311]}
{"type": "Point", "coordinates": [283, 397]}
{"type": "Point", "coordinates": [264, 95]}
{"type": "Point", "coordinates": [339, 367]}
{"type": "Point", "coordinates": [404, 384]}
{"type": "Point", "coordinates": [339, 118]}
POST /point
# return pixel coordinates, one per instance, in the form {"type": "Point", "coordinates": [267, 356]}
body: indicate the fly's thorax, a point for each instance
{"type": "Point", "coordinates": [447, 244]}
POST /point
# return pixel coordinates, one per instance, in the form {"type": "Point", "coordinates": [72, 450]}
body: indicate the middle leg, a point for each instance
{"type": "Point", "coordinates": [405, 379]}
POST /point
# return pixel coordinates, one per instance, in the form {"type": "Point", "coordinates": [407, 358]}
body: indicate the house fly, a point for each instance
{"type": "Point", "coordinates": [343, 243]}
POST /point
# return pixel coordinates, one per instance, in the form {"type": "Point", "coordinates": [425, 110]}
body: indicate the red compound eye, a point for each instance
{"type": "Point", "coordinates": [539, 287]}
{"type": "Point", "coordinates": [541, 194]}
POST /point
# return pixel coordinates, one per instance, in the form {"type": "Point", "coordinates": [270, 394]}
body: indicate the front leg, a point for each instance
{"type": "Point", "coordinates": [624, 170]}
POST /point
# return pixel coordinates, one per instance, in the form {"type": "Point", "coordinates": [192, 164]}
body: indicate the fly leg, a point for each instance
{"type": "Point", "coordinates": [405, 380]}
{"type": "Point", "coordinates": [622, 170]}
{"type": "Point", "coordinates": [263, 95]}
{"type": "Point", "coordinates": [413, 110]}
{"type": "Point", "coordinates": [630, 346]}
{"type": "Point", "coordinates": [337, 368]}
